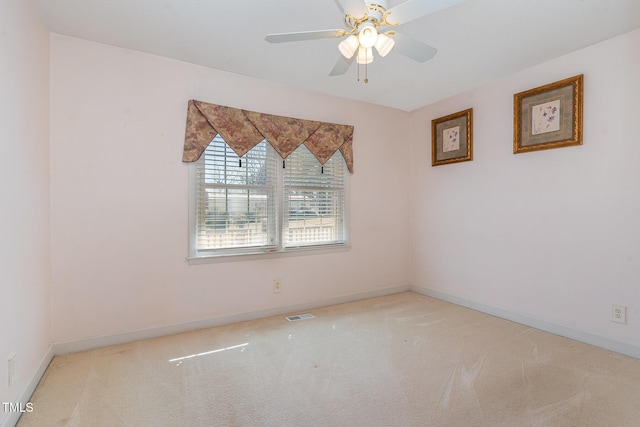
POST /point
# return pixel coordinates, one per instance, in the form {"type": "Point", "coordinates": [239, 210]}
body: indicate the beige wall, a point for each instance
{"type": "Point", "coordinates": [119, 196]}
{"type": "Point", "coordinates": [552, 234]}
{"type": "Point", "coordinates": [24, 193]}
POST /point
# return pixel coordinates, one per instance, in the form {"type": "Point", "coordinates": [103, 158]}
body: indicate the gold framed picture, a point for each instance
{"type": "Point", "coordinates": [548, 116]}
{"type": "Point", "coordinates": [452, 138]}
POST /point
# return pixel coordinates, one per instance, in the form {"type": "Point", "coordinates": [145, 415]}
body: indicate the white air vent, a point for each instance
{"type": "Point", "coordinates": [300, 317]}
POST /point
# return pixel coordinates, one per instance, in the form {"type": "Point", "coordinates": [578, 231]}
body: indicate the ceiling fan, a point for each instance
{"type": "Point", "coordinates": [371, 26]}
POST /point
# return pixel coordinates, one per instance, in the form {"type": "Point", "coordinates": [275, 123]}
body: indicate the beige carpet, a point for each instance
{"type": "Point", "coordinates": [400, 360]}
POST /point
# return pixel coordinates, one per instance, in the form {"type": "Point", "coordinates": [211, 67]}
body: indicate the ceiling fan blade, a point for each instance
{"type": "Point", "coordinates": [304, 35]}
{"type": "Point", "coordinates": [412, 48]}
{"type": "Point", "coordinates": [355, 8]}
{"type": "Point", "coordinates": [414, 9]}
{"type": "Point", "coordinates": [342, 66]}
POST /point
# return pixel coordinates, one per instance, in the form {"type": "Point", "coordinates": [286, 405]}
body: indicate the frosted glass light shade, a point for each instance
{"type": "Point", "coordinates": [348, 46]}
{"type": "Point", "coordinates": [365, 55]}
{"type": "Point", "coordinates": [384, 44]}
{"type": "Point", "coordinates": [368, 35]}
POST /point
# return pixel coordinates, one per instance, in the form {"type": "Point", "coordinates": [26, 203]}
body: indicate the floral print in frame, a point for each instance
{"type": "Point", "coordinates": [548, 116]}
{"type": "Point", "coordinates": [452, 138]}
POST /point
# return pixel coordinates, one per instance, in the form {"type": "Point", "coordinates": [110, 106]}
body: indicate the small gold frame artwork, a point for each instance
{"type": "Point", "coordinates": [548, 116]}
{"type": "Point", "coordinates": [452, 138]}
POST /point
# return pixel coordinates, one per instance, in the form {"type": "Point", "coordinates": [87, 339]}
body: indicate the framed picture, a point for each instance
{"type": "Point", "coordinates": [549, 116]}
{"type": "Point", "coordinates": [452, 138]}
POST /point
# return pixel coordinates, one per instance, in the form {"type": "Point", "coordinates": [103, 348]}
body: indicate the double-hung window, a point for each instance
{"type": "Point", "coordinates": [260, 203]}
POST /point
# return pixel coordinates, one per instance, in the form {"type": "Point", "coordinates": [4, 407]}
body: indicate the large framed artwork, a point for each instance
{"type": "Point", "coordinates": [548, 116]}
{"type": "Point", "coordinates": [452, 138]}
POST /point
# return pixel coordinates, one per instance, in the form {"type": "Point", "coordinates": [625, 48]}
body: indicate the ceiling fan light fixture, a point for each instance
{"type": "Point", "coordinates": [348, 46]}
{"type": "Point", "coordinates": [384, 44]}
{"type": "Point", "coordinates": [365, 55]}
{"type": "Point", "coordinates": [368, 35]}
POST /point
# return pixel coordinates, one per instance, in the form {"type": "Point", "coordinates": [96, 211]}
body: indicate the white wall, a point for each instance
{"type": "Point", "coordinates": [24, 194]}
{"type": "Point", "coordinates": [553, 234]}
{"type": "Point", "coordinates": [119, 196]}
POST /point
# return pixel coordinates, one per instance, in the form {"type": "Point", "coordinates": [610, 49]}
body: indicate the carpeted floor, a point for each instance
{"type": "Point", "coordinates": [399, 360]}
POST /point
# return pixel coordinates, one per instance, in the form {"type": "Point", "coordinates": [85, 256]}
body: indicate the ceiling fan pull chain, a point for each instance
{"type": "Point", "coordinates": [366, 73]}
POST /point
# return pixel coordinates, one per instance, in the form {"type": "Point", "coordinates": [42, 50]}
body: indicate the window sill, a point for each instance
{"type": "Point", "coordinates": [319, 250]}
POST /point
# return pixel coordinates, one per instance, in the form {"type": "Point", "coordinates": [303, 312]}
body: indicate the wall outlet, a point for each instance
{"type": "Point", "coordinates": [11, 366]}
{"type": "Point", "coordinates": [277, 286]}
{"type": "Point", "coordinates": [619, 313]}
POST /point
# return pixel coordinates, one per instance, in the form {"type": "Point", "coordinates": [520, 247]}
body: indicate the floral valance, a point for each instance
{"type": "Point", "coordinates": [242, 130]}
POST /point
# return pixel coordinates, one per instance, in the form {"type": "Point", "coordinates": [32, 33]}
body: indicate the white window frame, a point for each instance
{"type": "Point", "coordinates": [197, 257]}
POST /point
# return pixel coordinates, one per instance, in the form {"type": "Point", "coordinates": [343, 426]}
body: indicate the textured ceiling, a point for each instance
{"type": "Point", "coordinates": [478, 41]}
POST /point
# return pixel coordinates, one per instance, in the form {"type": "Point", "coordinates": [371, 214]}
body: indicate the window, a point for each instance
{"type": "Point", "coordinates": [260, 203]}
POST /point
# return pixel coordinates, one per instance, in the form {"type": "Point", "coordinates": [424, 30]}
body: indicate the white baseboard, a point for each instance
{"type": "Point", "coordinates": [11, 418]}
{"type": "Point", "coordinates": [574, 334]}
{"type": "Point", "coordinates": [140, 334]}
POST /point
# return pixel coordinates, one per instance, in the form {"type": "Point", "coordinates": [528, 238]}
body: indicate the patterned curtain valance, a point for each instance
{"type": "Point", "coordinates": [242, 130]}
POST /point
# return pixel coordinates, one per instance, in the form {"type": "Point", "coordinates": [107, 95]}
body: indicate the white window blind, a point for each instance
{"type": "Point", "coordinates": [260, 203]}
{"type": "Point", "coordinates": [236, 202]}
{"type": "Point", "coordinates": [313, 200]}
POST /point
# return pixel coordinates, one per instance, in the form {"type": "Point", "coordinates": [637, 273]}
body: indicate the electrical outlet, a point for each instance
{"type": "Point", "coordinates": [619, 313]}
{"type": "Point", "coordinates": [277, 286]}
{"type": "Point", "coordinates": [12, 372]}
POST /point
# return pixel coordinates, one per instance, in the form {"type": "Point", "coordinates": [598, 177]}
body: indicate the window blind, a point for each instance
{"type": "Point", "coordinates": [236, 198]}
{"type": "Point", "coordinates": [314, 200]}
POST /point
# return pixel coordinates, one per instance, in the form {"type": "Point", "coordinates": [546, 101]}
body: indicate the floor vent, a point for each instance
{"type": "Point", "coordinates": [300, 317]}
